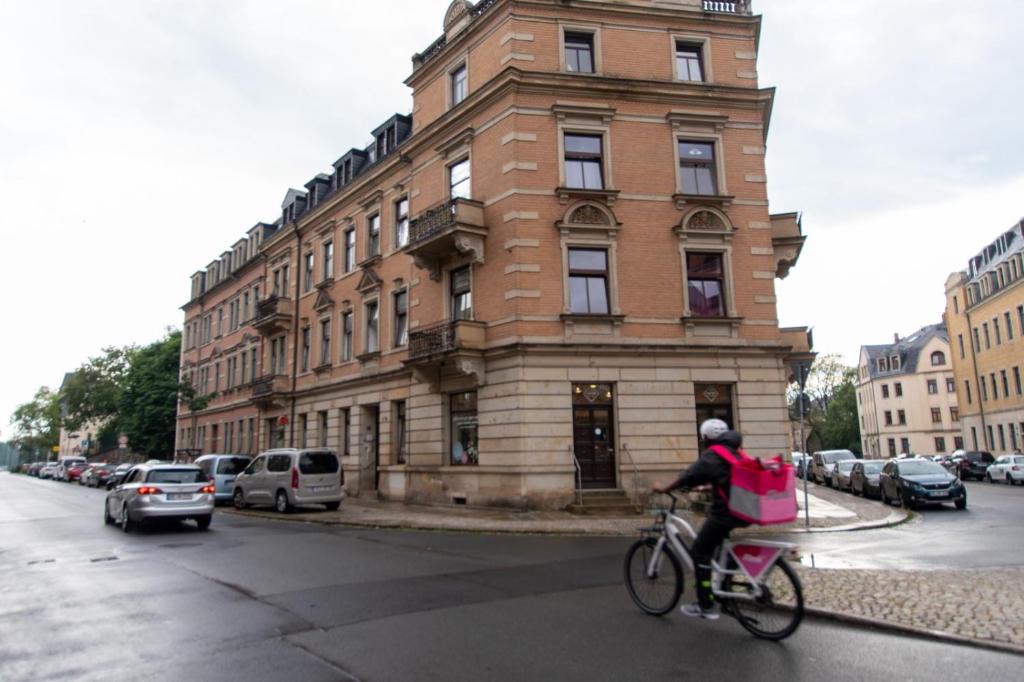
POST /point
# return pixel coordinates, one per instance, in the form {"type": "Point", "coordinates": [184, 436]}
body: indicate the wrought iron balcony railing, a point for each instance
{"type": "Point", "coordinates": [433, 221]}
{"type": "Point", "coordinates": [432, 340]}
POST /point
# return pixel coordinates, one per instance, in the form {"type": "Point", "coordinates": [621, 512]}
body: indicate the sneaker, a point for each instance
{"type": "Point", "coordinates": [696, 611]}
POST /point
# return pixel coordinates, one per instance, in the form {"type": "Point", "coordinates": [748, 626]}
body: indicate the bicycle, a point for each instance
{"type": "Point", "coordinates": [751, 580]}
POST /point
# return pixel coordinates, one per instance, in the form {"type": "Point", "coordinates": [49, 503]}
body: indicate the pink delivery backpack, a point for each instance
{"type": "Point", "coordinates": [761, 492]}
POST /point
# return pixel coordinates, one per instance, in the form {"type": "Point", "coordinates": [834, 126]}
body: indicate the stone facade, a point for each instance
{"type": "Point", "coordinates": [985, 314]}
{"type": "Point", "coordinates": [545, 290]}
{"type": "Point", "coordinates": [906, 396]}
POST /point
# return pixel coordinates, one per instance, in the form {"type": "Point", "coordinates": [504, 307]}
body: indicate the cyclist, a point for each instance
{"type": "Point", "coordinates": [709, 469]}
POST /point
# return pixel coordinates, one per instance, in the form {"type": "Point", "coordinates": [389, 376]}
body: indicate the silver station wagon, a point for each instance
{"type": "Point", "coordinates": [169, 492]}
{"type": "Point", "coordinates": [288, 477]}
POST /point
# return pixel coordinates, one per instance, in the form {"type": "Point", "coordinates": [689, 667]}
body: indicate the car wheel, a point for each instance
{"type": "Point", "coordinates": [882, 496]}
{"type": "Point", "coordinates": [333, 506]}
{"type": "Point", "coordinates": [203, 522]}
{"type": "Point", "coordinates": [239, 499]}
{"type": "Point", "coordinates": [1009, 480]}
{"type": "Point", "coordinates": [281, 503]}
{"type": "Point", "coordinates": [961, 504]}
{"type": "Point", "coordinates": [989, 477]}
{"type": "Point", "coordinates": [126, 522]}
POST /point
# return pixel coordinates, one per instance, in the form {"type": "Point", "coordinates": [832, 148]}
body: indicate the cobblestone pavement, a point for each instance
{"type": "Point", "coordinates": [979, 604]}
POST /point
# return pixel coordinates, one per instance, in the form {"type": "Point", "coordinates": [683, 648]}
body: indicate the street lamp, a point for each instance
{"type": "Point", "coordinates": [801, 370]}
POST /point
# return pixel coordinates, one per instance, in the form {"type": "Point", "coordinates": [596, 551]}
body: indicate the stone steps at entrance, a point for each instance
{"type": "Point", "coordinates": [604, 503]}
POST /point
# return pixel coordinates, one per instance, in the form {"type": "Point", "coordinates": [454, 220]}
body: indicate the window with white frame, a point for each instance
{"type": "Point", "coordinates": [402, 222]}
{"type": "Point", "coordinates": [325, 341]}
{"type": "Point", "coordinates": [328, 257]}
{"type": "Point", "coordinates": [401, 322]}
{"type": "Point", "coordinates": [461, 294]}
{"type": "Point", "coordinates": [307, 280]}
{"type": "Point", "coordinates": [373, 235]}
{"type": "Point", "coordinates": [350, 250]}
{"type": "Point", "coordinates": [346, 336]}
{"type": "Point", "coordinates": [459, 180]}
{"type": "Point", "coordinates": [372, 327]}
{"type": "Point", "coordinates": [584, 167]}
{"type": "Point", "coordinates": [304, 356]}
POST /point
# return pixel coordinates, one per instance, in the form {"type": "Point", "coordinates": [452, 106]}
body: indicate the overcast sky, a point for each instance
{"type": "Point", "coordinates": [140, 138]}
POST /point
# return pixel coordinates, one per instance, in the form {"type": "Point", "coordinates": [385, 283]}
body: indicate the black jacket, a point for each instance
{"type": "Point", "coordinates": [711, 469]}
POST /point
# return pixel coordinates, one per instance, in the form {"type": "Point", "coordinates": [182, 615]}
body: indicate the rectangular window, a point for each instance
{"type": "Point", "coordinates": [307, 280]}
{"type": "Point", "coordinates": [463, 431]}
{"type": "Point", "coordinates": [303, 430]}
{"type": "Point", "coordinates": [401, 435]}
{"type": "Point", "coordinates": [983, 385]}
{"type": "Point", "coordinates": [583, 161]}
{"type": "Point", "coordinates": [372, 327]}
{"type": "Point", "coordinates": [282, 348]}
{"type": "Point", "coordinates": [977, 341]}
{"type": "Point", "coordinates": [373, 235]}
{"type": "Point", "coordinates": [995, 386]}
{"type": "Point", "coordinates": [346, 428]}
{"type": "Point", "coordinates": [974, 437]}
{"type": "Point", "coordinates": [216, 377]}
{"type": "Point", "coordinates": [899, 389]}
{"type": "Point", "coordinates": [579, 52]}
{"type": "Point", "coordinates": [1009, 326]}
{"type": "Point", "coordinates": [888, 418]}
{"type": "Point", "coordinates": [995, 326]}
{"type": "Point", "coordinates": [885, 390]}
{"type": "Point", "coordinates": [697, 167]}
{"type": "Point", "coordinates": [954, 414]}
{"type": "Point", "coordinates": [936, 415]}
{"type": "Point", "coordinates": [245, 367]}
{"type": "Point", "coordinates": [401, 326]}
{"type": "Point", "coordinates": [1002, 438]}
{"type": "Point", "coordinates": [705, 279]}
{"type": "Point", "coordinates": [940, 444]}
{"type": "Point", "coordinates": [988, 339]}
{"type": "Point", "coordinates": [1016, 381]}
{"type": "Point", "coordinates": [892, 447]}
{"type": "Point", "coordinates": [689, 62]}
{"type": "Point", "coordinates": [933, 387]}
{"type": "Point", "coordinates": [325, 342]}
{"type": "Point", "coordinates": [958, 442]}
{"type": "Point", "coordinates": [960, 342]}
{"type": "Point", "coordinates": [459, 180]}
{"type": "Point", "coordinates": [321, 429]}
{"type": "Point", "coordinates": [1020, 318]}
{"type": "Point", "coordinates": [588, 281]}
{"type": "Point", "coordinates": [967, 388]}
{"type": "Point", "coordinates": [350, 250]}
{"type": "Point", "coordinates": [1006, 383]}
{"type": "Point", "coordinates": [255, 363]}
{"type": "Point", "coordinates": [229, 437]}
{"type": "Point", "coordinates": [401, 222]}
{"type": "Point", "coordinates": [902, 417]}
{"type": "Point", "coordinates": [306, 343]}
{"type": "Point", "coordinates": [328, 256]}
{"type": "Point", "coordinates": [461, 294]}
{"type": "Point", "coordinates": [346, 336]}
{"type": "Point", "coordinates": [460, 84]}
{"type": "Point", "coordinates": [991, 438]}
{"type": "Point", "coordinates": [905, 445]}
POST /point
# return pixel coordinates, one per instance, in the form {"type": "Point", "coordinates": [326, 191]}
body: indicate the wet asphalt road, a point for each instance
{"type": "Point", "coordinates": [265, 600]}
{"type": "Point", "coordinates": [985, 535]}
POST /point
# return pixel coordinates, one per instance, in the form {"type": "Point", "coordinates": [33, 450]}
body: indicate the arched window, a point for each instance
{"type": "Point", "coordinates": [938, 358]}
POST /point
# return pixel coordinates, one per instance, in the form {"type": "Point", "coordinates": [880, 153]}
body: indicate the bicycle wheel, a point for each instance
{"type": "Point", "coordinates": [657, 594]}
{"type": "Point", "coordinates": [777, 613]}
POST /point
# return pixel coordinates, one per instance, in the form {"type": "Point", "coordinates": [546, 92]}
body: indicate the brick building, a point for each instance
{"type": "Point", "coordinates": [906, 396]}
{"type": "Point", "coordinates": [985, 315]}
{"type": "Point", "coordinates": [542, 279]}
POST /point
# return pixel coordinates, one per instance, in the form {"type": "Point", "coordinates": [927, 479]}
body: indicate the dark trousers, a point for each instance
{"type": "Point", "coordinates": [708, 540]}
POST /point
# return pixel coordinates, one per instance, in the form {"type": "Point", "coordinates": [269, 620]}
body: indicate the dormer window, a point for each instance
{"type": "Point", "coordinates": [881, 365]}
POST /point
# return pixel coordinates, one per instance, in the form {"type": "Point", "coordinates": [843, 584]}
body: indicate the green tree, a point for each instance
{"type": "Point", "coordinates": [93, 393]}
{"type": "Point", "coordinates": [840, 428]}
{"type": "Point", "coordinates": [37, 422]}
{"type": "Point", "coordinates": [148, 404]}
{"type": "Point", "coordinates": [831, 417]}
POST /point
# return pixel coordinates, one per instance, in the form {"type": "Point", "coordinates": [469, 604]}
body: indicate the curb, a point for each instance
{"type": "Point", "coordinates": [936, 635]}
{"type": "Point", "coordinates": [895, 518]}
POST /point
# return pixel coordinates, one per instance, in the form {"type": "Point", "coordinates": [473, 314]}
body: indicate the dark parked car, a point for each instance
{"type": "Point", "coordinates": [864, 477]}
{"type": "Point", "coordinates": [975, 465]}
{"type": "Point", "coordinates": [920, 481]}
{"type": "Point", "coordinates": [117, 475]}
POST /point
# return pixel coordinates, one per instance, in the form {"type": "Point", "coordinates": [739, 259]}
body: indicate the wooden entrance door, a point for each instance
{"type": "Point", "coordinates": [593, 434]}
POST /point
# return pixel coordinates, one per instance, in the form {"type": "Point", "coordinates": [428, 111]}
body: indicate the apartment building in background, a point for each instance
{"type": "Point", "coordinates": [985, 315]}
{"type": "Point", "coordinates": [538, 282]}
{"type": "Point", "coordinates": [906, 396]}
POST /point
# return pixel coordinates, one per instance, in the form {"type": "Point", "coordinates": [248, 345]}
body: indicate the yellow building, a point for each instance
{"type": "Point", "coordinates": [985, 316]}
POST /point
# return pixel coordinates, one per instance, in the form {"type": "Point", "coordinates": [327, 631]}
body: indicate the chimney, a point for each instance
{"type": "Point", "coordinates": [896, 337]}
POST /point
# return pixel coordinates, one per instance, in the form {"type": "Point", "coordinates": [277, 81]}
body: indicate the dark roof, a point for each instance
{"type": "Point", "coordinates": [908, 349]}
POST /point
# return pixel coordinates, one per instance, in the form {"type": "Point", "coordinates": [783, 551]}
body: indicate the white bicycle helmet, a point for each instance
{"type": "Point", "coordinates": [713, 429]}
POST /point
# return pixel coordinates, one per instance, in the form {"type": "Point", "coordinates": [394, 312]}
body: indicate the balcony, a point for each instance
{"type": "Point", "coordinates": [447, 349]}
{"type": "Point", "coordinates": [456, 227]}
{"type": "Point", "coordinates": [787, 241]}
{"type": "Point", "coordinates": [270, 389]}
{"type": "Point", "coordinates": [737, 7]}
{"type": "Point", "coordinates": [273, 316]}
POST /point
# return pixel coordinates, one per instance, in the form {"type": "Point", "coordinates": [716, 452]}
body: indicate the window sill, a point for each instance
{"type": "Point", "coordinates": [368, 261]}
{"type": "Point", "coordinates": [324, 283]}
{"type": "Point", "coordinates": [722, 201]}
{"type": "Point", "coordinates": [368, 357]}
{"type": "Point", "coordinates": [325, 367]}
{"type": "Point", "coordinates": [592, 317]}
{"type": "Point", "coordinates": [565, 194]}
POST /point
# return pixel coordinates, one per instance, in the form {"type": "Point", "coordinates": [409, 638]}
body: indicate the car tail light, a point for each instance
{"type": "Point", "coordinates": [295, 478]}
{"type": "Point", "coordinates": [1015, 468]}
{"type": "Point", "coordinates": [210, 489]}
{"type": "Point", "coordinates": [150, 490]}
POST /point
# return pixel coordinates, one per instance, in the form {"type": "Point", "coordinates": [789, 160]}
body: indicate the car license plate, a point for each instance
{"type": "Point", "coordinates": [320, 488]}
{"type": "Point", "coordinates": [938, 493]}
{"type": "Point", "coordinates": [179, 496]}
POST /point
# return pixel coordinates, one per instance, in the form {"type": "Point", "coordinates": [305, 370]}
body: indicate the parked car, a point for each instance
{"type": "Point", "coordinates": [35, 468]}
{"type": "Point", "coordinates": [841, 474]}
{"type": "Point", "coordinates": [864, 477]}
{"type": "Point", "coordinates": [288, 477]}
{"type": "Point", "coordinates": [920, 481]}
{"type": "Point", "coordinates": [97, 475]}
{"type": "Point", "coordinates": [1008, 469]}
{"type": "Point", "coordinates": [824, 462]}
{"type": "Point", "coordinates": [800, 461]}
{"type": "Point", "coordinates": [68, 463]}
{"type": "Point", "coordinates": [73, 473]}
{"type": "Point", "coordinates": [48, 470]}
{"type": "Point", "coordinates": [222, 470]}
{"type": "Point", "coordinates": [975, 465]}
{"type": "Point", "coordinates": [117, 475]}
{"type": "Point", "coordinates": [167, 492]}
